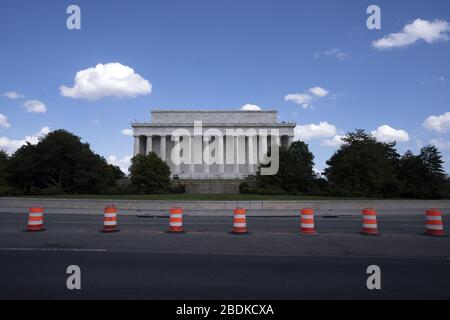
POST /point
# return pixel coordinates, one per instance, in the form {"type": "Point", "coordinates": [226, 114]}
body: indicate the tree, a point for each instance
{"type": "Point", "coordinates": [363, 166]}
{"type": "Point", "coordinates": [271, 184]}
{"type": "Point", "coordinates": [3, 172]}
{"type": "Point", "coordinates": [432, 159]}
{"type": "Point", "coordinates": [22, 169]}
{"type": "Point", "coordinates": [423, 176]}
{"type": "Point", "coordinates": [295, 173]}
{"type": "Point", "coordinates": [412, 172]}
{"type": "Point", "coordinates": [60, 163]}
{"type": "Point", "coordinates": [149, 174]}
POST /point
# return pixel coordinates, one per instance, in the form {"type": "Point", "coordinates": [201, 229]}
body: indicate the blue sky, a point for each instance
{"type": "Point", "coordinates": [225, 54]}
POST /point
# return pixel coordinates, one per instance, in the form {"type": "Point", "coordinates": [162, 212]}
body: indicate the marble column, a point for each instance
{"type": "Point", "coordinates": [149, 145]}
{"type": "Point", "coordinates": [263, 147]}
{"type": "Point", "coordinates": [220, 154]}
{"type": "Point", "coordinates": [237, 155]}
{"type": "Point", "coordinates": [136, 146]}
{"type": "Point", "coordinates": [252, 148]}
{"type": "Point", "coordinates": [276, 141]}
{"type": "Point", "coordinates": [206, 154]}
{"type": "Point", "coordinates": [176, 154]}
{"type": "Point", "coordinates": [162, 148]}
{"type": "Point", "coordinates": [191, 156]}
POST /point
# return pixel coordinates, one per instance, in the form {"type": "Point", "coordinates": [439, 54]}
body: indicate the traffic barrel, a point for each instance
{"type": "Point", "coordinates": [369, 222]}
{"type": "Point", "coordinates": [434, 225]}
{"type": "Point", "coordinates": [110, 219]}
{"type": "Point", "coordinates": [35, 219]}
{"type": "Point", "coordinates": [307, 222]}
{"type": "Point", "coordinates": [175, 220]}
{"type": "Point", "coordinates": [239, 221]}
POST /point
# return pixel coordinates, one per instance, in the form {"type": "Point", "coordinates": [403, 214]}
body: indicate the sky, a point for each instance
{"type": "Point", "coordinates": [315, 62]}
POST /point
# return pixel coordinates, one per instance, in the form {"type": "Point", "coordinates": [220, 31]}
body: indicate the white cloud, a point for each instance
{"type": "Point", "coordinates": [314, 131]}
{"type": "Point", "coordinates": [336, 141]}
{"type": "Point", "coordinates": [337, 53]}
{"type": "Point", "coordinates": [96, 123]}
{"type": "Point", "coordinates": [386, 133]}
{"type": "Point", "coordinates": [440, 79]}
{"type": "Point", "coordinates": [127, 132]}
{"type": "Point", "coordinates": [13, 95]}
{"type": "Point", "coordinates": [123, 163]}
{"type": "Point", "coordinates": [429, 31]}
{"type": "Point", "coordinates": [439, 123]}
{"type": "Point", "coordinates": [34, 139]}
{"type": "Point", "coordinates": [441, 144]}
{"type": "Point", "coordinates": [11, 145]}
{"type": "Point", "coordinates": [4, 121]}
{"type": "Point", "coordinates": [250, 107]}
{"type": "Point", "coordinates": [319, 92]}
{"type": "Point", "coordinates": [305, 99]}
{"type": "Point", "coordinates": [107, 80]}
{"type": "Point", "coordinates": [302, 99]}
{"type": "Point", "coordinates": [35, 106]}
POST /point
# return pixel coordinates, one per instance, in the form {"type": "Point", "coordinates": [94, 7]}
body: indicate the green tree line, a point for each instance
{"type": "Point", "coordinates": [361, 166]}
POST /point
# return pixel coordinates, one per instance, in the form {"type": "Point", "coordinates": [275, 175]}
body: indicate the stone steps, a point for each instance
{"type": "Point", "coordinates": [212, 186]}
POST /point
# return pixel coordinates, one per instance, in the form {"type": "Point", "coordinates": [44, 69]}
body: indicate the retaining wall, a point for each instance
{"type": "Point", "coordinates": [17, 204]}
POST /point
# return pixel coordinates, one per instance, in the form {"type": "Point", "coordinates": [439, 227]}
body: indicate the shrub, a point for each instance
{"type": "Point", "coordinates": [271, 191]}
{"type": "Point", "coordinates": [149, 174]}
{"type": "Point", "coordinates": [244, 188]}
{"type": "Point", "coordinates": [177, 188]}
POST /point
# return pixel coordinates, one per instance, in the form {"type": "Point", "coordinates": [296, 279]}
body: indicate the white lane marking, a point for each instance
{"type": "Point", "coordinates": [53, 249]}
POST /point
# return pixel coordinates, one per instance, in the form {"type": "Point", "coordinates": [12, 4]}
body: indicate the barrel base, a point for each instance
{"type": "Point", "coordinates": [239, 233]}
{"type": "Point", "coordinates": [32, 230]}
{"type": "Point", "coordinates": [175, 232]}
{"type": "Point", "coordinates": [308, 233]}
{"type": "Point", "coordinates": [434, 234]}
{"type": "Point", "coordinates": [373, 234]}
{"type": "Point", "coordinates": [108, 231]}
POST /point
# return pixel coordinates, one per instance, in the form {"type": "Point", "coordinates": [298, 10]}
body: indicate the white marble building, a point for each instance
{"type": "Point", "coordinates": [220, 133]}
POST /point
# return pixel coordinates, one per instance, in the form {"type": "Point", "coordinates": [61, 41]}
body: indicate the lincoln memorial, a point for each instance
{"type": "Point", "coordinates": [212, 144]}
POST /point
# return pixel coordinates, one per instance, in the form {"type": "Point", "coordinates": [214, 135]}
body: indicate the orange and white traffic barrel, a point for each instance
{"type": "Point", "coordinates": [239, 221]}
{"type": "Point", "coordinates": [176, 220]}
{"type": "Point", "coordinates": [369, 222]}
{"type": "Point", "coordinates": [110, 219]}
{"type": "Point", "coordinates": [307, 222]}
{"type": "Point", "coordinates": [35, 219]}
{"type": "Point", "coordinates": [434, 225]}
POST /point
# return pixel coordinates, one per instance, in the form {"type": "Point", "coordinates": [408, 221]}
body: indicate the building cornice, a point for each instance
{"type": "Point", "coordinates": [228, 125]}
{"type": "Point", "coordinates": [212, 111]}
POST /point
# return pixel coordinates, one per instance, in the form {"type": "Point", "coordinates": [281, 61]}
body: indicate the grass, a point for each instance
{"type": "Point", "coordinates": [201, 197]}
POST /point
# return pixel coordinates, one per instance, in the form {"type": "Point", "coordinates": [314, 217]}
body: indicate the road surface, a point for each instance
{"type": "Point", "coordinates": [207, 262]}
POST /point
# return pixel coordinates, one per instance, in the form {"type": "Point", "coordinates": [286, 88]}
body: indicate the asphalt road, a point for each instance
{"type": "Point", "coordinates": [207, 262]}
